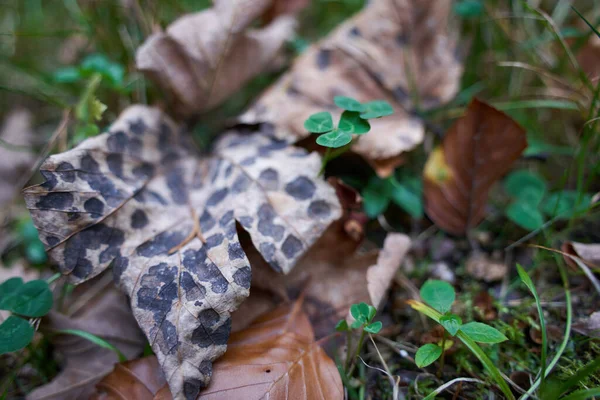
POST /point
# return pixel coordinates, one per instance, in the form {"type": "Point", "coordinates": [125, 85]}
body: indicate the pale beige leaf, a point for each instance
{"type": "Point", "coordinates": [139, 198]}
{"type": "Point", "coordinates": [395, 50]}
{"type": "Point", "coordinates": [205, 57]}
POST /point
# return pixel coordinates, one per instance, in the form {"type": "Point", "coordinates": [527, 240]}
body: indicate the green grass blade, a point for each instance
{"type": "Point", "coordinates": [529, 283]}
{"type": "Point", "coordinates": [586, 21]}
{"type": "Point", "coordinates": [96, 340]}
{"type": "Point", "coordinates": [583, 394]}
{"type": "Point", "coordinates": [541, 103]}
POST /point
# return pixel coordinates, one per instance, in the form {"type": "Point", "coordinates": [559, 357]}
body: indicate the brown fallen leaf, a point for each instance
{"type": "Point", "coordinates": [204, 57]}
{"type": "Point", "coordinates": [137, 379]}
{"type": "Point", "coordinates": [15, 158]}
{"type": "Point", "coordinates": [588, 58]}
{"type": "Point", "coordinates": [477, 150]}
{"type": "Point", "coordinates": [106, 315]}
{"type": "Point", "coordinates": [276, 358]}
{"type": "Point", "coordinates": [394, 50]}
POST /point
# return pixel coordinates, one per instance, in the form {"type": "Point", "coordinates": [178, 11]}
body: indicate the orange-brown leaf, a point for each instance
{"type": "Point", "coordinates": [477, 150]}
{"type": "Point", "coordinates": [276, 357]}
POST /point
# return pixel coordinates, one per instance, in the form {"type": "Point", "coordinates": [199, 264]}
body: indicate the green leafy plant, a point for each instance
{"type": "Point", "coordinates": [113, 74]}
{"type": "Point", "coordinates": [440, 296]}
{"type": "Point", "coordinates": [531, 201]}
{"type": "Point", "coordinates": [33, 300]}
{"type": "Point", "coordinates": [406, 192]}
{"type": "Point", "coordinates": [353, 121]}
{"type": "Point", "coordinates": [34, 248]}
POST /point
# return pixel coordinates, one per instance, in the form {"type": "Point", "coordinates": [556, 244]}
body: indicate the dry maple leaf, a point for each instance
{"type": "Point", "coordinates": [140, 199]}
{"type": "Point", "coordinates": [106, 315]}
{"type": "Point", "coordinates": [396, 50]}
{"type": "Point", "coordinates": [205, 57]}
{"type": "Point", "coordinates": [276, 358]}
{"type": "Point", "coordinates": [476, 151]}
{"type": "Point", "coordinates": [15, 160]}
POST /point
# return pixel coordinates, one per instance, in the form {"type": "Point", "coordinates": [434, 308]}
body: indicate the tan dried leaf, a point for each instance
{"type": "Point", "coordinates": [589, 326]}
{"type": "Point", "coordinates": [394, 50]}
{"type": "Point", "coordinates": [476, 151]}
{"type": "Point", "coordinates": [589, 253]}
{"type": "Point", "coordinates": [140, 199]}
{"type": "Point", "coordinates": [482, 267]}
{"type": "Point", "coordinates": [205, 57]}
{"type": "Point", "coordinates": [276, 358]}
{"type": "Point", "coordinates": [106, 315]}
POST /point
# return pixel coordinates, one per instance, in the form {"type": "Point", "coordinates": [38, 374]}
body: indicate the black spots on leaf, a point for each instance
{"type": "Point", "coordinates": [94, 206]}
{"type": "Point", "coordinates": [119, 266]}
{"type": "Point", "coordinates": [191, 388]}
{"type": "Point", "coordinates": [301, 188]}
{"type": "Point", "coordinates": [269, 179]}
{"type": "Point", "coordinates": [177, 186]}
{"type": "Point", "coordinates": [161, 244]}
{"type": "Point", "coordinates": [226, 219]}
{"type": "Point", "coordinates": [208, 317]}
{"type": "Point", "coordinates": [50, 179]}
{"type": "Point", "coordinates": [240, 184]}
{"type": "Point", "coordinates": [206, 221]}
{"type": "Point", "coordinates": [235, 251]}
{"type": "Point", "coordinates": [158, 290]}
{"type": "Point", "coordinates": [139, 219]}
{"type": "Point", "coordinates": [215, 168]}
{"type": "Point", "coordinates": [192, 290]}
{"type": "Point", "coordinates": [291, 246]}
{"type": "Point", "coordinates": [102, 184]}
{"type": "Point", "coordinates": [169, 335]}
{"type": "Point", "coordinates": [52, 240]}
{"type": "Point", "coordinates": [119, 142]}
{"type": "Point", "coordinates": [228, 171]}
{"type": "Point", "coordinates": [246, 222]}
{"type": "Point", "coordinates": [137, 126]}
{"type": "Point", "coordinates": [275, 145]}
{"type": "Point", "coordinates": [170, 157]}
{"type": "Point", "coordinates": [214, 240]}
{"type": "Point", "coordinates": [319, 209]}
{"type": "Point", "coordinates": [66, 172]}
{"type": "Point", "coordinates": [243, 277]}
{"type": "Point", "coordinates": [73, 216]}
{"type": "Point", "coordinates": [164, 136]}
{"type": "Point", "coordinates": [148, 196]}
{"type": "Point", "coordinates": [115, 164]}
{"type": "Point", "coordinates": [93, 238]}
{"type": "Point", "coordinates": [267, 250]}
{"type": "Point", "coordinates": [55, 201]}
{"type": "Point", "coordinates": [266, 226]}
{"type": "Point", "coordinates": [195, 262]}
{"type": "Point", "coordinates": [248, 161]}
{"type": "Point", "coordinates": [323, 59]}
{"type": "Point", "coordinates": [88, 164]}
{"type": "Point", "coordinates": [205, 368]}
{"type": "Point", "coordinates": [354, 32]}
{"type": "Point", "coordinates": [205, 337]}
{"type": "Point", "coordinates": [217, 197]}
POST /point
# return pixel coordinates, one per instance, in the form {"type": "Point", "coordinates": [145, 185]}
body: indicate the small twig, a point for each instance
{"type": "Point", "coordinates": [450, 383]}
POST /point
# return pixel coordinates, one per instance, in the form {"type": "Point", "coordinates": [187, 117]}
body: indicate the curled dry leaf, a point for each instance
{"type": "Point", "coordinates": [140, 199]}
{"type": "Point", "coordinates": [476, 151]}
{"type": "Point", "coordinates": [395, 50]}
{"type": "Point", "coordinates": [589, 253]}
{"type": "Point", "coordinates": [15, 158]}
{"type": "Point", "coordinates": [276, 357]}
{"type": "Point", "coordinates": [106, 315]}
{"type": "Point", "coordinates": [205, 57]}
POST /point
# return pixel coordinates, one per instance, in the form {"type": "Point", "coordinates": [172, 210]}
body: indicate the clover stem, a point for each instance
{"type": "Point", "coordinates": [351, 365]}
{"type": "Point", "coordinates": [442, 359]}
{"type": "Point", "coordinates": [348, 342]}
{"type": "Point", "coordinates": [325, 159]}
